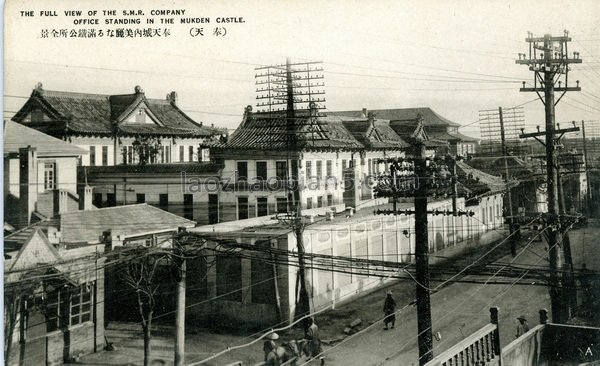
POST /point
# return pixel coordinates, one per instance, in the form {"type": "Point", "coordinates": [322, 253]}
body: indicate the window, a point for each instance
{"type": "Point", "coordinates": [54, 311]}
{"type": "Point", "coordinates": [140, 198]}
{"type": "Point", "coordinates": [282, 205]}
{"type": "Point", "coordinates": [370, 167]}
{"type": "Point", "coordinates": [309, 203]}
{"type": "Point", "coordinates": [262, 208]}
{"type": "Point", "coordinates": [319, 201]}
{"type": "Point", "coordinates": [92, 155]}
{"type": "Point", "coordinates": [242, 170]}
{"type": "Point", "coordinates": [308, 169]}
{"type": "Point", "coordinates": [49, 176]}
{"type": "Point", "coordinates": [188, 206]}
{"type": "Point", "coordinates": [261, 276]}
{"type": "Point", "coordinates": [191, 151]}
{"type": "Point", "coordinates": [329, 200]}
{"type": "Point", "coordinates": [111, 200]}
{"type": "Point", "coordinates": [319, 172]}
{"type": "Point", "coordinates": [344, 164]}
{"type": "Point", "coordinates": [281, 171]}
{"type": "Point", "coordinates": [229, 278]}
{"type": "Point", "coordinates": [261, 170]}
{"type": "Point", "coordinates": [167, 154]}
{"type": "Point", "coordinates": [81, 309]}
{"type": "Point", "coordinates": [130, 157]}
{"type": "Point", "coordinates": [162, 154]}
{"type": "Point", "coordinates": [163, 201]}
{"type": "Point", "coordinates": [97, 199]}
{"type": "Point", "coordinates": [181, 154]}
{"type": "Point", "coordinates": [329, 168]}
{"type": "Point", "coordinates": [213, 208]}
{"type": "Point", "coordinates": [104, 155]}
{"type": "Point", "coordinates": [242, 208]}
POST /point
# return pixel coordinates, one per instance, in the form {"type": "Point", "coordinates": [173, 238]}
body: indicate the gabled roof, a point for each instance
{"type": "Point", "coordinates": [430, 118]}
{"type": "Point", "coordinates": [481, 183]}
{"type": "Point", "coordinates": [17, 136]}
{"type": "Point", "coordinates": [264, 131]}
{"type": "Point", "coordinates": [83, 113]}
{"type": "Point", "coordinates": [373, 133]}
{"type": "Point", "coordinates": [36, 249]}
{"type": "Point", "coordinates": [130, 220]}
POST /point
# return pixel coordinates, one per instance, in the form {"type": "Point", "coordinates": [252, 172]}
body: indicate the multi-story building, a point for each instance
{"type": "Point", "coordinates": [335, 157]}
{"type": "Point", "coordinates": [110, 127]}
{"type": "Point", "coordinates": [436, 126]}
{"type": "Point", "coordinates": [40, 175]}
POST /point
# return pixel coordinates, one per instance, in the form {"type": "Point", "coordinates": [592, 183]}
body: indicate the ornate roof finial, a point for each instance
{"type": "Point", "coordinates": [138, 90]}
{"type": "Point", "coordinates": [39, 88]}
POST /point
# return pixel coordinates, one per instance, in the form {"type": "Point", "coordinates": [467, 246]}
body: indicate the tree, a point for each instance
{"type": "Point", "coordinates": [17, 297]}
{"type": "Point", "coordinates": [146, 148]}
{"type": "Point", "coordinates": [141, 275]}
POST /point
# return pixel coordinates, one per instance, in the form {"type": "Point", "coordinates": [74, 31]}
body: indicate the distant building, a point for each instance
{"type": "Point", "coordinates": [436, 126]}
{"type": "Point", "coordinates": [110, 126]}
{"type": "Point", "coordinates": [40, 176]}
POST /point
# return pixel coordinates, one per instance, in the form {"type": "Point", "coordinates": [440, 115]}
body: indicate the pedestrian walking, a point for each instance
{"type": "Point", "coordinates": [270, 350]}
{"type": "Point", "coordinates": [313, 337]}
{"type": "Point", "coordinates": [389, 310]}
{"type": "Point", "coordinates": [522, 327]}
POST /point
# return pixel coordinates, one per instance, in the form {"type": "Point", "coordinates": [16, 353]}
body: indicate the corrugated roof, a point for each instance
{"type": "Point", "coordinates": [88, 226]}
{"type": "Point", "coordinates": [17, 136]}
{"type": "Point", "coordinates": [430, 118]}
{"type": "Point", "coordinates": [96, 113]}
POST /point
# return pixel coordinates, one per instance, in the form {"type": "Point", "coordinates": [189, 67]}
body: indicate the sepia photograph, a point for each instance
{"type": "Point", "coordinates": [288, 183]}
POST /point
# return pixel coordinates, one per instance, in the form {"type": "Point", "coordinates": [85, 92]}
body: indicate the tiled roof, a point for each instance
{"type": "Point", "coordinates": [374, 134]}
{"type": "Point", "coordinates": [480, 182]}
{"type": "Point", "coordinates": [430, 118]}
{"type": "Point", "coordinates": [451, 136]}
{"type": "Point", "coordinates": [17, 136]}
{"type": "Point", "coordinates": [267, 132]}
{"type": "Point", "coordinates": [97, 113]}
{"type": "Point", "coordinates": [87, 226]}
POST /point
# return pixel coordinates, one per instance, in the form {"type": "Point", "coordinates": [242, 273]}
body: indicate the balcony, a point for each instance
{"type": "Point", "coordinates": [546, 344]}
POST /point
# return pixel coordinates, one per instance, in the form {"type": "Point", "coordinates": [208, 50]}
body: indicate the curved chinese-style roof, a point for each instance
{"type": "Point", "coordinates": [98, 114]}
{"type": "Point", "coordinates": [264, 131]}
{"type": "Point", "coordinates": [430, 118]}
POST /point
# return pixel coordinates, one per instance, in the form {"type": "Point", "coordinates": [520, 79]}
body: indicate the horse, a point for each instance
{"type": "Point", "coordinates": [292, 350]}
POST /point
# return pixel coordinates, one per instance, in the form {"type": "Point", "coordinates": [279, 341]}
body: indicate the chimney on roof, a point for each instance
{"type": "Point", "coordinates": [60, 201]}
{"type": "Point", "coordinates": [172, 97]}
{"type": "Point", "coordinates": [371, 118]}
{"type": "Point", "coordinates": [85, 197]}
{"type": "Point", "coordinates": [28, 181]}
{"type": "Point", "coordinates": [365, 112]}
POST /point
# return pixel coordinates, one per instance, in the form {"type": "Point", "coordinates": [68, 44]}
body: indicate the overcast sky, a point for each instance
{"type": "Point", "coordinates": [455, 57]}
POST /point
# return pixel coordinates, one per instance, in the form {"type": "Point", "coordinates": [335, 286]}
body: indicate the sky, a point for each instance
{"type": "Point", "coordinates": [455, 57]}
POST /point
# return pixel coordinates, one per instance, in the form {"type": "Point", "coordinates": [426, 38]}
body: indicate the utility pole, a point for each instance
{"type": "Point", "coordinates": [589, 197]}
{"type": "Point", "coordinates": [180, 315]}
{"type": "Point", "coordinates": [289, 91]}
{"type": "Point", "coordinates": [552, 63]}
{"type": "Point", "coordinates": [511, 221]}
{"type": "Point", "coordinates": [425, 339]}
{"type": "Point", "coordinates": [302, 301]}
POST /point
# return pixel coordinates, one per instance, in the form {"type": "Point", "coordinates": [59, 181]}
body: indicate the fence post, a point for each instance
{"type": "Point", "coordinates": [496, 339]}
{"type": "Point", "coordinates": [543, 316]}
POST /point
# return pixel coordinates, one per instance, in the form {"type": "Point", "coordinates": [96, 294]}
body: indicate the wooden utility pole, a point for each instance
{"type": "Point", "coordinates": [588, 206]}
{"type": "Point", "coordinates": [180, 315]}
{"type": "Point", "coordinates": [511, 221]}
{"type": "Point", "coordinates": [295, 204]}
{"type": "Point", "coordinates": [551, 62]}
{"type": "Point", "coordinates": [425, 339]}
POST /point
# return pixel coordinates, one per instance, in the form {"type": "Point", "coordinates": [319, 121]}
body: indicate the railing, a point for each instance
{"type": "Point", "coordinates": [479, 349]}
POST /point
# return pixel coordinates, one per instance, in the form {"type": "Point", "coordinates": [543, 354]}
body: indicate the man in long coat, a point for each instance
{"type": "Point", "coordinates": [389, 309]}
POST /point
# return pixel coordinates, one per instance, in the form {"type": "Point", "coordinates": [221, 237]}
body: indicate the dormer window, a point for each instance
{"type": "Point", "coordinates": [140, 116]}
